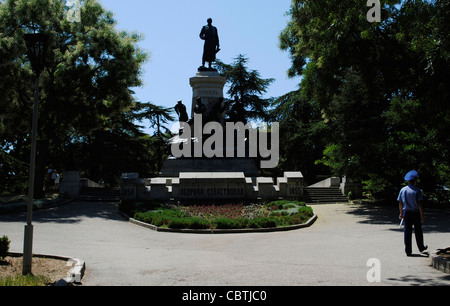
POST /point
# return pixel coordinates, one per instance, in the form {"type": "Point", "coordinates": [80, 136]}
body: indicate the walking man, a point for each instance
{"type": "Point", "coordinates": [411, 212]}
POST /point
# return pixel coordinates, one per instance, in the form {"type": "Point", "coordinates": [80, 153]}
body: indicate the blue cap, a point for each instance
{"type": "Point", "coordinates": [412, 175]}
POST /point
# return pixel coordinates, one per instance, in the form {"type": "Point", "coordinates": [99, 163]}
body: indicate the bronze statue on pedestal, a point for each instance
{"type": "Point", "coordinates": [210, 35]}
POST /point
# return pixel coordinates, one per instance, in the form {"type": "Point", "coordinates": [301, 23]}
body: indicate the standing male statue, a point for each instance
{"type": "Point", "coordinates": [211, 37]}
{"type": "Point", "coordinates": [180, 109]}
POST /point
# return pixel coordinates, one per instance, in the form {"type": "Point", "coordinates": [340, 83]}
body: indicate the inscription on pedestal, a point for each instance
{"type": "Point", "coordinates": [295, 191]}
{"type": "Point", "coordinates": [208, 93]}
{"type": "Point", "coordinates": [216, 192]}
{"type": "Point", "coordinates": [212, 186]}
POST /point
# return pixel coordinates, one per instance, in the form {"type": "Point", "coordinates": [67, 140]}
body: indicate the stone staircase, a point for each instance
{"type": "Point", "coordinates": [323, 195]}
{"type": "Point", "coordinates": [99, 194]}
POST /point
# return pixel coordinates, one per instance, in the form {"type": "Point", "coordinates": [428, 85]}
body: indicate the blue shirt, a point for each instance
{"type": "Point", "coordinates": [410, 197]}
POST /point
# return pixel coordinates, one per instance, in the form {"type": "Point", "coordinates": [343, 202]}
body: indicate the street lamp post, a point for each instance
{"type": "Point", "coordinates": [36, 47]}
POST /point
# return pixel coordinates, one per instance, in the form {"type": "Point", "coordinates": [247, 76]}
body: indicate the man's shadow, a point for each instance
{"type": "Point", "coordinates": [424, 255]}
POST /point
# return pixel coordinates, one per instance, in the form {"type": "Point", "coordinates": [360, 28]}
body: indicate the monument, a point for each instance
{"type": "Point", "coordinates": [205, 163]}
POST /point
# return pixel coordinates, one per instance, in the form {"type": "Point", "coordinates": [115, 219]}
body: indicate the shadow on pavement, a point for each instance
{"type": "Point", "coordinates": [69, 213]}
{"type": "Point", "coordinates": [418, 281]}
{"type": "Point", "coordinates": [437, 219]}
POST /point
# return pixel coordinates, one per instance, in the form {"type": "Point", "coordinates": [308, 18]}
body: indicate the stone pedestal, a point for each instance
{"type": "Point", "coordinates": [172, 167]}
{"type": "Point", "coordinates": [207, 85]}
{"type": "Point", "coordinates": [294, 187]}
{"type": "Point", "coordinates": [160, 188]}
{"type": "Point", "coordinates": [128, 185]}
{"type": "Point", "coordinates": [265, 187]}
{"type": "Point", "coordinates": [291, 185]}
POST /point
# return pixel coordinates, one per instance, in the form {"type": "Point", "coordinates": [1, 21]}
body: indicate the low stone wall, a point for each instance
{"type": "Point", "coordinates": [212, 186]}
{"type": "Point", "coordinates": [441, 263]}
{"type": "Point", "coordinates": [71, 184]}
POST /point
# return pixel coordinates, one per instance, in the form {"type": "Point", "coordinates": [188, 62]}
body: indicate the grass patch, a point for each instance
{"type": "Point", "coordinates": [226, 216]}
{"type": "Point", "coordinates": [25, 281]}
{"type": "Point", "coordinates": [46, 271]}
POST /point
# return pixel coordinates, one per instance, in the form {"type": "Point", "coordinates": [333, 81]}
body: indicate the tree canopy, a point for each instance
{"type": "Point", "coordinates": [246, 88]}
{"type": "Point", "coordinates": [382, 88]}
{"type": "Point", "coordinates": [87, 113]}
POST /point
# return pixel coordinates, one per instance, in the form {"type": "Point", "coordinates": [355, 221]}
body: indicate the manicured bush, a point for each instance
{"type": "Point", "coordinates": [4, 247]}
{"type": "Point", "coordinates": [197, 223]}
{"type": "Point", "coordinates": [275, 214]}
{"type": "Point", "coordinates": [294, 220]}
{"type": "Point", "coordinates": [158, 217]}
{"type": "Point", "coordinates": [262, 223]}
{"type": "Point", "coordinates": [225, 223]}
{"type": "Point", "coordinates": [289, 205]}
{"type": "Point", "coordinates": [306, 210]}
{"type": "Point", "coordinates": [279, 213]}
{"type": "Point", "coordinates": [188, 223]}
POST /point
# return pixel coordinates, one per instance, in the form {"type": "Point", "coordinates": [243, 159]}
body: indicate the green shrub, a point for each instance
{"type": "Point", "coordinates": [158, 220]}
{"type": "Point", "coordinates": [289, 205]}
{"type": "Point", "coordinates": [159, 217]}
{"type": "Point", "coordinates": [279, 213]}
{"type": "Point", "coordinates": [350, 195]}
{"type": "Point", "coordinates": [178, 223]}
{"type": "Point", "coordinates": [284, 204]}
{"type": "Point", "coordinates": [198, 223]}
{"type": "Point", "coordinates": [4, 247]}
{"type": "Point", "coordinates": [225, 223]}
{"type": "Point", "coordinates": [188, 223]}
{"type": "Point", "coordinates": [261, 223]}
{"type": "Point", "coordinates": [275, 214]}
{"type": "Point", "coordinates": [306, 210]}
{"type": "Point", "coordinates": [295, 219]}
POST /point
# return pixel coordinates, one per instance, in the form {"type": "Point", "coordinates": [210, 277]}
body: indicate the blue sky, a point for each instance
{"type": "Point", "coordinates": [171, 29]}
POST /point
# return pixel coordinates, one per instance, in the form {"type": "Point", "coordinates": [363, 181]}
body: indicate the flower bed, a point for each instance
{"type": "Point", "coordinates": [224, 216]}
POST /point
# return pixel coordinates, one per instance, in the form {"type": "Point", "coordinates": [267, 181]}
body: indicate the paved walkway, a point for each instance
{"type": "Point", "coordinates": [334, 251]}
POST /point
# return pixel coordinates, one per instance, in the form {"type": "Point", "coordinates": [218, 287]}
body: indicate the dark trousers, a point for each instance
{"type": "Point", "coordinates": [412, 218]}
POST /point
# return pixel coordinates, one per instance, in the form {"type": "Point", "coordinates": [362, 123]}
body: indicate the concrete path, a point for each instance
{"type": "Point", "coordinates": [334, 251]}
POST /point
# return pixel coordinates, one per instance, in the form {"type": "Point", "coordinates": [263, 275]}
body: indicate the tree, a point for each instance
{"type": "Point", "coordinates": [84, 88]}
{"type": "Point", "coordinates": [382, 87]}
{"type": "Point", "coordinates": [246, 88]}
{"type": "Point", "coordinates": [302, 135]}
{"type": "Point", "coordinates": [157, 115]}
